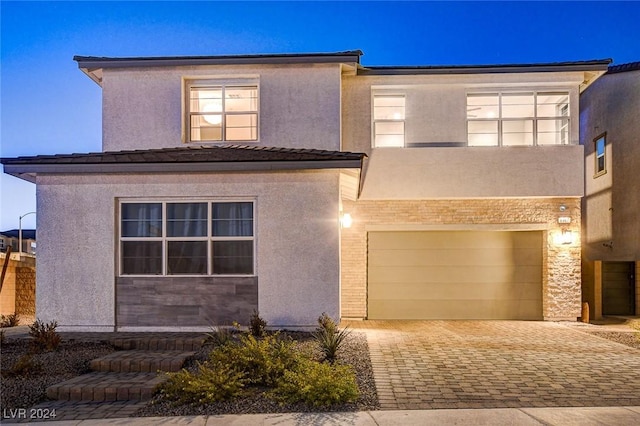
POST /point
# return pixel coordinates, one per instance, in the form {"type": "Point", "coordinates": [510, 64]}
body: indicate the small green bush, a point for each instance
{"type": "Point", "coordinates": [211, 383]}
{"type": "Point", "coordinates": [329, 337]}
{"type": "Point", "coordinates": [24, 366]}
{"type": "Point", "coordinates": [264, 361]}
{"type": "Point", "coordinates": [45, 337]}
{"type": "Point", "coordinates": [10, 320]}
{"type": "Point", "coordinates": [257, 325]}
{"type": "Point", "coordinates": [318, 384]}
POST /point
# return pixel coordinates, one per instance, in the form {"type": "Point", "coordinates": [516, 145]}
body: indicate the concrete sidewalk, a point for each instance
{"type": "Point", "coordinates": [581, 416]}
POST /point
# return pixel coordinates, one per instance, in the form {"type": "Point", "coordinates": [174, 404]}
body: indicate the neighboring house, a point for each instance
{"type": "Point", "coordinates": [610, 133]}
{"type": "Point", "coordinates": [306, 183]}
{"type": "Point", "coordinates": [12, 238]}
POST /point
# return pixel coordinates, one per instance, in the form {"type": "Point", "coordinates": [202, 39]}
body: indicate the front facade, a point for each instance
{"type": "Point", "coordinates": [302, 184]}
{"type": "Point", "coordinates": [609, 112]}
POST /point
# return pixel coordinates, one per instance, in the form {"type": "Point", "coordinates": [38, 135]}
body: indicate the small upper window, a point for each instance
{"type": "Point", "coordinates": [218, 113]}
{"type": "Point", "coordinates": [601, 163]}
{"type": "Point", "coordinates": [388, 121]}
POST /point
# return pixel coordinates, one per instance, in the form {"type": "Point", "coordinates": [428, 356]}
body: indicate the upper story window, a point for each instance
{"type": "Point", "coordinates": [517, 118]}
{"type": "Point", "coordinates": [600, 150]}
{"type": "Point", "coordinates": [222, 112]}
{"type": "Point", "coordinates": [187, 238]}
{"type": "Point", "coordinates": [388, 120]}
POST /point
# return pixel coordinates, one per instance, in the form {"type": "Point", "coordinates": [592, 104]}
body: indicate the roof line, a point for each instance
{"type": "Point", "coordinates": [155, 61]}
{"type": "Point", "coordinates": [592, 65]}
{"type": "Point", "coordinates": [631, 66]}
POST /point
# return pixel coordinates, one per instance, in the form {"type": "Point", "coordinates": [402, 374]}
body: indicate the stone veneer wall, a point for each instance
{"type": "Point", "coordinates": [19, 288]}
{"type": "Point", "coordinates": [184, 301]}
{"type": "Point", "coordinates": [561, 292]}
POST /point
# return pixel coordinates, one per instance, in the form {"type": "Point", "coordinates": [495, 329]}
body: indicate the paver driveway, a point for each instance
{"type": "Point", "coordinates": [493, 364]}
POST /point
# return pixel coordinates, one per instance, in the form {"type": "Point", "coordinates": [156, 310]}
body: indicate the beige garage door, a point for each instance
{"type": "Point", "coordinates": [455, 275]}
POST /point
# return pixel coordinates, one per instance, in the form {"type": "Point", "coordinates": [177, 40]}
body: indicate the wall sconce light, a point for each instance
{"type": "Point", "coordinates": [346, 220]}
{"type": "Point", "coordinates": [563, 238]}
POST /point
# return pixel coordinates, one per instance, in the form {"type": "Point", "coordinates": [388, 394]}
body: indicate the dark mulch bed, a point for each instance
{"type": "Point", "coordinates": [355, 352]}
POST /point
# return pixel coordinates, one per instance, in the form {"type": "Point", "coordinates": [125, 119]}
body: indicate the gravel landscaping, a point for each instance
{"type": "Point", "coordinates": [42, 370]}
{"type": "Point", "coordinates": [72, 359]}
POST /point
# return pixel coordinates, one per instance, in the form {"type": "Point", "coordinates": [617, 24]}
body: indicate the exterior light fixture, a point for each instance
{"type": "Point", "coordinates": [346, 220]}
{"type": "Point", "coordinates": [563, 238]}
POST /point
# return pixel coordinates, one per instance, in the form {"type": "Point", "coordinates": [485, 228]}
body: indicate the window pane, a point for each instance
{"type": "Point", "coordinates": [141, 220]}
{"type": "Point", "coordinates": [187, 220]}
{"type": "Point", "coordinates": [206, 127]}
{"type": "Point", "coordinates": [232, 257]}
{"type": "Point", "coordinates": [552, 104]}
{"type": "Point", "coordinates": [388, 108]}
{"type": "Point", "coordinates": [142, 257]}
{"type": "Point", "coordinates": [186, 257]}
{"type": "Point", "coordinates": [600, 147]}
{"type": "Point", "coordinates": [482, 106]}
{"type": "Point", "coordinates": [242, 127]}
{"type": "Point", "coordinates": [553, 132]}
{"type": "Point", "coordinates": [519, 132]}
{"type": "Point", "coordinates": [206, 99]}
{"type": "Point", "coordinates": [241, 99]}
{"type": "Point", "coordinates": [232, 219]}
{"type": "Point", "coordinates": [516, 105]}
{"type": "Point", "coordinates": [482, 133]}
{"type": "Point", "coordinates": [388, 134]}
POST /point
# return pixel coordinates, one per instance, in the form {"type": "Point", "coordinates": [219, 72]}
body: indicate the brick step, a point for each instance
{"type": "Point", "coordinates": [100, 386]}
{"type": "Point", "coordinates": [160, 343]}
{"type": "Point", "coordinates": [140, 361]}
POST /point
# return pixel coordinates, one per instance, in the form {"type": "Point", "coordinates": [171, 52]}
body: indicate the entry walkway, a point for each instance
{"type": "Point", "coordinates": [498, 364]}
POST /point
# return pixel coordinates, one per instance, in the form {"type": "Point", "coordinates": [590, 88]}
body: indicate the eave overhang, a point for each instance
{"type": "Point", "coordinates": [183, 160]}
{"type": "Point", "coordinates": [93, 65]}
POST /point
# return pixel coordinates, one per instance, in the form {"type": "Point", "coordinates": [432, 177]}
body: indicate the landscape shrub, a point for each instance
{"type": "Point", "coordinates": [264, 361]}
{"type": "Point", "coordinates": [10, 320]}
{"type": "Point", "coordinates": [45, 337]}
{"type": "Point", "coordinates": [24, 366]}
{"type": "Point", "coordinates": [210, 383]}
{"type": "Point", "coordinates": [329, 337]}
{"type": "Point", "coordinates": [219, 336]}
{"type": "Point", "coordinates": [317, 384]}
{"type": "Point", "coordinates": [257, 325]}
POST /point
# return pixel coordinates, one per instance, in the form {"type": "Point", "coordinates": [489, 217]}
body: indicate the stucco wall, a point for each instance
{"type": "Point", "coordinates": [297, 241]}
{"type": "Point", "coordinates": [612, 229]}
{"type": "Point", "coordinates": [436, 104]}
{"type": "Point", "coordinates": [299, 105]}
{"type": "Point", "coordinates": [473, 172]}
{"type": "Point", "coordinates": [561, 264]}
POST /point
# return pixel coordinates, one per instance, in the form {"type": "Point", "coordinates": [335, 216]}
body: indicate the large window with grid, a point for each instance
{"type": "Point", "coordinates": [518, 118]}
{"type": "Point", "coordinates": [187, 238]}
{"type": "Point", "coordinates": [221, 112]}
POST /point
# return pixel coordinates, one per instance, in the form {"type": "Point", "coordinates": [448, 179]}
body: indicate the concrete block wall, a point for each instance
{"type": "Point", "coordinates": [561, 264]}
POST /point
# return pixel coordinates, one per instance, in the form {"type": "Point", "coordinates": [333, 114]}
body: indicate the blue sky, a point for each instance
{"type": "Point", "coordinates": [48, 106]}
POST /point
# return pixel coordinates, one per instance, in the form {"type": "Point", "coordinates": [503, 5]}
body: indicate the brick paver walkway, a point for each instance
{"type": "Point", "coordinates": [495, 364]}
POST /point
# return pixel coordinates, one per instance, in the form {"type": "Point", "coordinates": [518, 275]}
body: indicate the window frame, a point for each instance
{"type": "Point", "coordinates": [596, 170]}
{"type": "Point", "coordinates": [564, 132]}
{"type": "Point", "coordinates": [165, 239]}
{"type": "Point", "coordinates": [382, 94]}
{"type": "Point", "coordinates": [223, 85]}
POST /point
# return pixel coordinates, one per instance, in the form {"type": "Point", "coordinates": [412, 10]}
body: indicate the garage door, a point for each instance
{"type": "Point", "coordinates": [455, 275]}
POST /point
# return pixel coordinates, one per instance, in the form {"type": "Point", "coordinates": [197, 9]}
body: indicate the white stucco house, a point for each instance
{"type": "Point", "coordinates": [296, 184]}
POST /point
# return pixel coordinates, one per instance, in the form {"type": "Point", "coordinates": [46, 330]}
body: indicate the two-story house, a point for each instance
{"type": "Point", "coordinates": [609, 131]}
{"type": "Point", "coordinates": [298, 184]}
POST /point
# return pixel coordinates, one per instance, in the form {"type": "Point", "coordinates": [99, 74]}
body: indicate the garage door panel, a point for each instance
{"type": "Point", "coordinates": [422, 274]}
{"type": "Point", "coordinates": [456, 309]}
{"type": "Point", "coordinates": [455, 257]}
{"type": "Point", "coordinates": [458, 274]}
{"type": "Point", "coordinates": [458, 291]}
